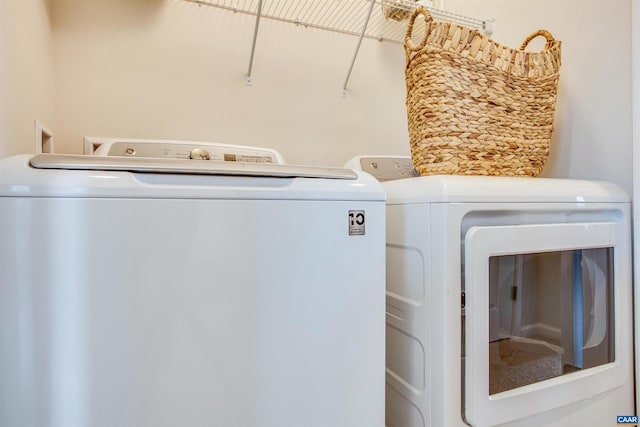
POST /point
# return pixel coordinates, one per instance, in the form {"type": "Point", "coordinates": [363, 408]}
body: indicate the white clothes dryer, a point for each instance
{"type": "Point", "coordinates": [509, 300]}
{"type": "Point", "coordinates": [172, 292]}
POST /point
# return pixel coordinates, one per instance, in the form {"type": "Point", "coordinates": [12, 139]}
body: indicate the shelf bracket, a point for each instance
{"type": "Point", "coordinates": [355, 55]}
{"type": "Point", "coordinates": [253, 44]}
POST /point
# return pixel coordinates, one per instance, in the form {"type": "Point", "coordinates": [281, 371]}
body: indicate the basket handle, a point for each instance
{"type": "Point", "coordinates": [420, 10]}
{"type": "Point", "coordinates": [543, 33]}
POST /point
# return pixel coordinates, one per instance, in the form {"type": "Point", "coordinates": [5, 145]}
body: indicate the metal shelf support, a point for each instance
{"type": "Point", "coordinates": [253, 44]}
{"type": "Point", "coordinates": [343, 16]}
{"type": "Point", "coordinates": [355, 55]}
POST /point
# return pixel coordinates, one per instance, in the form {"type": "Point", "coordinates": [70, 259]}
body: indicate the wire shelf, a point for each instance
{"type": "Point", "coordinates": [344, 16]}
{"type": "Point", "coordinates": [384, 20]}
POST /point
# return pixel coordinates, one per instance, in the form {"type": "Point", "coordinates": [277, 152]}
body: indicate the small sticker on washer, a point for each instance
{"type": "Point", "coordinates": [356, 223]}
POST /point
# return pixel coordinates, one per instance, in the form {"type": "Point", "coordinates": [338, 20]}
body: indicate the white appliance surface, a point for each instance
{"type": "Point", "coordinates": [162, 299]}
{"type": "Point", "coordinates": [441, 231]}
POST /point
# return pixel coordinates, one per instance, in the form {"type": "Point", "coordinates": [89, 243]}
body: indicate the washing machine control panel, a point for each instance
{"type": "Point", "coordinates": [199, 154]}
{"type": "Point", "coordinates": [185, 150]}
{"type": "Point", "coordinates": [387, 168]}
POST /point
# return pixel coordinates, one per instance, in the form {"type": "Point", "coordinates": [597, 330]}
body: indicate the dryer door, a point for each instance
{"type": "Point", "coordinates": [544, 315]}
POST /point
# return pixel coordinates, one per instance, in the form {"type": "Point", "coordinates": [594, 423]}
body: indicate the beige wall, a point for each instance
{"type": "Point", "coordinates": [26, 73]}
{"type": "Point", "coordinates": [173, 69]}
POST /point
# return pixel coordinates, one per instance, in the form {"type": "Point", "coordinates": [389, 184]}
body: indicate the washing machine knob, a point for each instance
{"type": "Point", "coordinates": [199, 154]}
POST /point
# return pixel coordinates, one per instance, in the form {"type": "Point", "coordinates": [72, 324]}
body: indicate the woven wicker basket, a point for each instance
{"type": "Point", "coordinates": [397, 10]}
{"type": "Point", "coordinates": [476, 107]}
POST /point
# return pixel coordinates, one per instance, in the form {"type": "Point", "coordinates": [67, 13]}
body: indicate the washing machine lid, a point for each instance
{"type": "Point", "coordinates": [76, 176]}
{"type": "Point", "coordinates": [186, 166]}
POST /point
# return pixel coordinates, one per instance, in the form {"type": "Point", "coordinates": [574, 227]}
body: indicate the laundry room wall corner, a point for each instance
{"type": "Point", "coordinates": [26, 74]}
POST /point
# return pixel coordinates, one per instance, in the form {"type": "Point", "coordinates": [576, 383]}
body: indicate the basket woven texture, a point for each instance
{"type": "Point", "coordinates": [395, 11]}
{"type": "Point", "coordinates": [476, 107]}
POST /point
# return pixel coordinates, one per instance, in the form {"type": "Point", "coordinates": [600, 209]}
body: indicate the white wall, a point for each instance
{"type": "Point", "coordinates": [173, 69]}
{"type": "Point", "coordinates": [26, 73]}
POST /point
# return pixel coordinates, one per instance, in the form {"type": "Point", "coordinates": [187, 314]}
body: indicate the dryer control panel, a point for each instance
{"type": "Point", "coordinates": [384, 168]}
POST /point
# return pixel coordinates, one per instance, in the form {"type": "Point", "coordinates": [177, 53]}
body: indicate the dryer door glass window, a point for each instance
{"type": "Point", "coordinates": [550, 314]}
{"type": "Point", "coordinates": [543, 312]}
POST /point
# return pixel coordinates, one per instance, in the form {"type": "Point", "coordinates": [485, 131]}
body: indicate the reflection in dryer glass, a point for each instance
{"type": "Point", "coordinates": [550, 314]}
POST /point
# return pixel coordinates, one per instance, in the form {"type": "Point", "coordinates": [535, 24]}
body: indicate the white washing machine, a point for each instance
{"type": "Point", "coordinates": [169, 292]}
{"type": "Point", "coordinates": [509, 300]}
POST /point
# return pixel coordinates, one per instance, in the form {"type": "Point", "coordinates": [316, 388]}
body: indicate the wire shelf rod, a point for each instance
{"type": "Point", "coordinates": [343, 16]}
{"type": "Point", "coordinates": [355, 55]}
{"type": "Point", "coordinates": [253, 44]}
{"type": "Point", "coordinates": [359, 18]}
{"type": "Point", "coordinates": [350, 13]}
